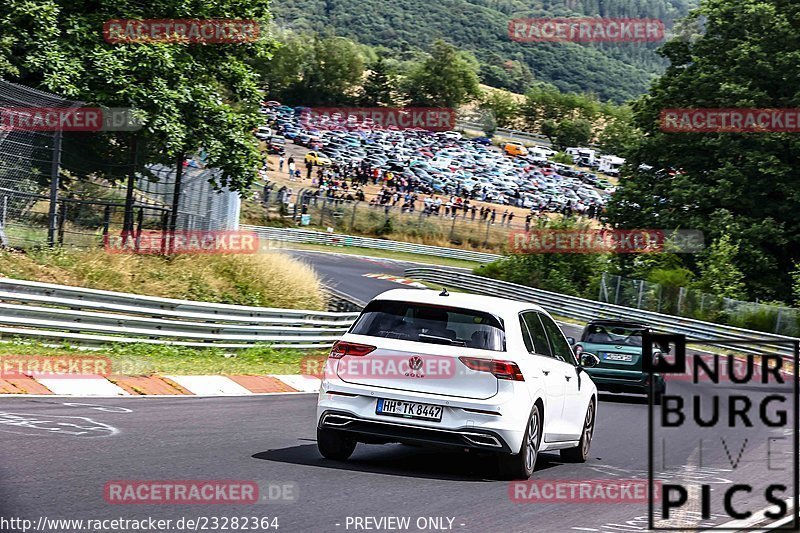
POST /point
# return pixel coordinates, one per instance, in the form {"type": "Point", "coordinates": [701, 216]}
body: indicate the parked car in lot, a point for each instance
{"type": "Point", "coordinates": [276, 145]}
{"type": "Point", "coordinates": [515, 148]}
{"type": "Point", "coordinates": [458, 371]}
{"type": "Point", "coordinates": [318, 158]}
{"type": "Point", "coordinates": [263, 133]}
{"type": "Point", "coordinates": [618, 346]}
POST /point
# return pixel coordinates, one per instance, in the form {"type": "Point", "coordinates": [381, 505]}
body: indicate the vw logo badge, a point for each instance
{"type": "Point", "coordinates": [415, 363]}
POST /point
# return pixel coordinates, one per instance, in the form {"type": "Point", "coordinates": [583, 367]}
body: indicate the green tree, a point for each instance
{"type": "Point", "coordinates": [446, 78]}
{"type": "Point", "coordinates": [737, 184]}
{"type": "Point", "coordinates": [311, 70]}
{"type": "Point", "coordinates": [619, 134]}
{"type": "Point", "coordinates": [567, 273]}
{"type": "Point", "coordinates": [502, 105]}
{"type": "Point", "coordinates": [191, 97]}
{"type": "Point", "coordinates": [379, 86]}
{"type": "Point", "coordinates": [334, 72]}
{"type": "Point", "coordinates": [719, 274]}
{"type": "Point", "coordinates": [568, 132]}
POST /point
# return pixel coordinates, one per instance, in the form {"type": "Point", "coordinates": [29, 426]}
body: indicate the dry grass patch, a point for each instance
{"type": "Point", "coordinates": [268, 280]}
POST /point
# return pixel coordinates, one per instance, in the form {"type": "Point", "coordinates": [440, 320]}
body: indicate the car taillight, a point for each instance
{"type": "Point", "coordinates": [342, 348]}
{"type": "Point", "coordinates": [500, 369]}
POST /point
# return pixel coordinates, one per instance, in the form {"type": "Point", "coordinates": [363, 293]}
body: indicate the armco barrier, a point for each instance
{"type": "Point", "coordinates": [91, 318]}
{"type": "Point", "coordinates": [336, 239]}
{"type": "Point", "coordinates": [583, 309]}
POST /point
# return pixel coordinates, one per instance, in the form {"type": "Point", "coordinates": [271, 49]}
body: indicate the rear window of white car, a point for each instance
{"type": "Point", "coordinates": [431, 324]}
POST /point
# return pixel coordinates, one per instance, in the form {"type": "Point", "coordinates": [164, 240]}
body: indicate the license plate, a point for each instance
{"type": "Point", "coordinates": [422, 411]}
{"type": "Point", "coordinates": [618, 357]}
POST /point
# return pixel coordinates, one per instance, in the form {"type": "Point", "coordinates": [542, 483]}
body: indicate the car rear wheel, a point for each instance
{"type": "Point", "coordinates": [334, 444]}
{"type": "Point", "coordinates": [580, 453]}
{"type": "Point", "coordinates": [522, 464]}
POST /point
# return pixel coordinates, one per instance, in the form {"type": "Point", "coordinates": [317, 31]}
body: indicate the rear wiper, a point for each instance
{"type": "Point", "coordinates": [435, 339]}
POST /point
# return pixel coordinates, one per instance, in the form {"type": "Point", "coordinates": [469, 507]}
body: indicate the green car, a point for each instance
{"type": "Point", "coordinates": [618, 345]}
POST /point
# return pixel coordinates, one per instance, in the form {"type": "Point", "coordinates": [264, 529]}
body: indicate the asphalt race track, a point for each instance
{"type": "Point", "coordinates": [58, 466]}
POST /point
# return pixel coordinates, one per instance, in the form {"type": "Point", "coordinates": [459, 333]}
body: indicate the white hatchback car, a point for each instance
{"type": "Point", "coordinates": [461, 371]}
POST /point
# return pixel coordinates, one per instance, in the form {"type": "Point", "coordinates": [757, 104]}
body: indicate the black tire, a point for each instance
{"type": "Point", "coordinates": [580, 453]}
{"type": "Point", "coordinates": [521, 465]}
{"type": "Point", "coordinates": [334, 444]}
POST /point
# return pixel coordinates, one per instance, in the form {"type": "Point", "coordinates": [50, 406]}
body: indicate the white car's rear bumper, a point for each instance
{"type": "Point", "coordinates": [495, 424]}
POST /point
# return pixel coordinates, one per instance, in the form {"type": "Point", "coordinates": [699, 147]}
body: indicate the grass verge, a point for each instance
{"type": "Point", "coordinates": [146, 359]}
{"type": "Point", "coordinates": [266, 280]}
{"type": "Point", "coordinates": [385, 254]}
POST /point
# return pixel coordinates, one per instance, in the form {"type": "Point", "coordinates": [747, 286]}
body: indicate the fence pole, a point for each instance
{"type": "Point", "coordinates": [353, 216]}
{"type": "Point", "coordinates": [139, 221]}
{"type": "Point", "coordinates": [681, 293]}
{"type": "Point", "coordinates": [54, 171]}
{"type": "Point", "coordinates": [106, 222]}
{"type": "Point", "coordinates": [639, 300]}
{"type": "Point", "coordinates": [452, 229]}
{"type": "Point", "coordinates": [602, 288]}
{"type": "Point", "coordinates": [176, 197]}
{"type": "Point", "coordinates": [660, 291]}
{"type": "Point", "coordinates": [778, 320]}
{"type": "Point", "coordinates": [3, 237]}
{"type": "Point", "coordinates": [127, 222]}
{"type": "Point", "coordinates": [616, 294]}
{"type": "Point", "coordinates": [62, 220]}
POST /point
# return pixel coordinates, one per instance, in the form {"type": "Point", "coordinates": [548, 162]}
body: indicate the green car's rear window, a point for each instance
{"type": "Point", "coordinates": [601, 334]}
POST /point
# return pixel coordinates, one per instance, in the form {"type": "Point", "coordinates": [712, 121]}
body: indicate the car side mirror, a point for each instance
{"type": "Point", "coordinates": [589, 360]}
{"type": "Point", "coordinates": [571, 341]}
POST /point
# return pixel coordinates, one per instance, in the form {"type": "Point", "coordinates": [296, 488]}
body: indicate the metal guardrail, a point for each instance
{"type": "Point", "coordinates": [343, 303]}
{"type": "Point", "coordinates": [91, 318]}
{"type": "Point", "coordinates": [583, 309]}
{"type": "Point", "coordinates": [338, 239]}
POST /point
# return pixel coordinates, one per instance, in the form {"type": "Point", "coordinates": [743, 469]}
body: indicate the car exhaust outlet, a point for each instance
{"type": "Point", "coordinates": [482, 440]}
{"type": "Point", "coordinates": [336, 420]}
